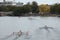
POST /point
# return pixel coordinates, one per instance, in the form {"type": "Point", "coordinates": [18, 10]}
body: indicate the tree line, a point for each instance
{"type": "Point", "coordinates": [32, 7]}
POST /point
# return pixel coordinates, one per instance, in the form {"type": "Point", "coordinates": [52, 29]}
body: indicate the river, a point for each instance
{"type": "Point", "coordinates": [9, 25]}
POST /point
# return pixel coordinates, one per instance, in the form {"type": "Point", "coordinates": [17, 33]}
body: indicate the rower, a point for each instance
{"type": "Point", "coordinates": [20, 33]}
{"type": "Point", "coordinates": [27, 33]}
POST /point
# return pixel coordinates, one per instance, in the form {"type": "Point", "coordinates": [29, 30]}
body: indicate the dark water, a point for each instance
{"type": "Point", "coordinates": [8, 25]}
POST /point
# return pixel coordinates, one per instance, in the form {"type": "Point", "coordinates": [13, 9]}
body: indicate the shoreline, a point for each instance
{"type": "Point", "coordinates": [31, 16]}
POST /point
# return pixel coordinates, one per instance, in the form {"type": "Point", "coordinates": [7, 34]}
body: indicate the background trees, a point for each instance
{"type": "Point", "coordinates": [25, 9]}
{"type": "Point", "coordinates": [44, 8]}
{"type": "Point", "coordinates": [55, 8]}
{"type": "Point", "coordinates": [34, 7]}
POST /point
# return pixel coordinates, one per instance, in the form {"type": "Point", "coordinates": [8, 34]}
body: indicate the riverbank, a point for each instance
{"type": "Point", "coordinates": [33, 14]}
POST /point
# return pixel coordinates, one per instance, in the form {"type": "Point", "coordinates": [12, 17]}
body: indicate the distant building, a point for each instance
{"type": "Point", "coordinates": [19, 4]}
{"type": "Point", "coordinates": [11, 3]}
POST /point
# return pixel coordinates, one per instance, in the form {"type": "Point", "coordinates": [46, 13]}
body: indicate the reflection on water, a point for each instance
{"type": "Point", "coordinates": [32, 28]}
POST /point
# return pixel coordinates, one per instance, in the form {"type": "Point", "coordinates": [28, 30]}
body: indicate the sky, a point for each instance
{"type": "Point", "coordinates": [38, 1]}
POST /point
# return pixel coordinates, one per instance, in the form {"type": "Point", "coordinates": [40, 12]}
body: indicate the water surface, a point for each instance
{"type": "Point", "coordinates": [9, 25]}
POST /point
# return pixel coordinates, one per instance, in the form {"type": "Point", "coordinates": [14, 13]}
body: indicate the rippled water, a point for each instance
{"type": "Point", "coordinates": [9, 25]}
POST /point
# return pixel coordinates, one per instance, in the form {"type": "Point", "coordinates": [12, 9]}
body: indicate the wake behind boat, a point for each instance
{"type": "Point", "coordinates": [18, 35]}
